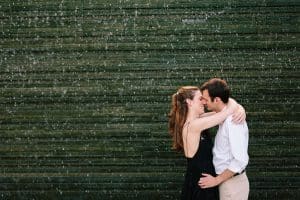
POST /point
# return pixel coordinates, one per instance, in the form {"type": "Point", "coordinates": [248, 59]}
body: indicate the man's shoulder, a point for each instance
{"type": "Point", "coordinates": [229, 121]}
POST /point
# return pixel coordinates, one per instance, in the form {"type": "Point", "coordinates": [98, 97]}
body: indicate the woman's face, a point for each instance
{"type": "Point", "coordinates": [197, 103]}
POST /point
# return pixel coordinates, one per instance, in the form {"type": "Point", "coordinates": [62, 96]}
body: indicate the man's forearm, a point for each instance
{"type": "Point", "coordinates": [208, 181]}
{"type": "Point", "coordinates": [225, 175]}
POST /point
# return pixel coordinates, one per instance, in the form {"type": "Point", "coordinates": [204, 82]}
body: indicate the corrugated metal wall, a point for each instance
{"type": "Point", "coordinates": [85, 92]}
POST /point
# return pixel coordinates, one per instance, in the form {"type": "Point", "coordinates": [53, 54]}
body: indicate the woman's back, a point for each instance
{"type": "Point", "coordinates": [200, 163]}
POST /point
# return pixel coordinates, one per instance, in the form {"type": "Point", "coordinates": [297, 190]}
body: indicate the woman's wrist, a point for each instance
{"type": "Point", "coordinates": [232, 105]}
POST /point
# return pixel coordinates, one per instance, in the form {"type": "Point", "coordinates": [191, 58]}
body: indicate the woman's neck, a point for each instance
{"type": "Point", "coordinates": [192, 116]}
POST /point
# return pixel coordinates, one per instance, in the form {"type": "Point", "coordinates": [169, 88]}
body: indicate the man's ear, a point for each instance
{"type": "Point", "coordinates": [217, 99]}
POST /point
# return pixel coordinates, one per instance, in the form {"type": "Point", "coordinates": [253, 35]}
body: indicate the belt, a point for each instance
{"type": "Point", "coordinates": [236, 174]}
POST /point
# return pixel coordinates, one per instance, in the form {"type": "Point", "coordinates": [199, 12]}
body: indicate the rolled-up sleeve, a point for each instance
{"type": "Point", "coordinates": [238, 141]}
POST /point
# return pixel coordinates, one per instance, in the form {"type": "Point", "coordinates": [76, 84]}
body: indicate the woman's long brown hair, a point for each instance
{"type": "Point", "coordinates": [178, 114]}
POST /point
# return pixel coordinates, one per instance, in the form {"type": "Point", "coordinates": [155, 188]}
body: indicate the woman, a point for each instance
{"type": "Point", "coordinates": [187, 126]}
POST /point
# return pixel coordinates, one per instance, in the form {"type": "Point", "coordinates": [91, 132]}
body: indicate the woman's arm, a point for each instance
{"type": "Point", "coordinates": [203, 123]}
{"type": "Point", "coordinates": [238, 116]}
{"type": "Point", "coordinates": [207, 114]}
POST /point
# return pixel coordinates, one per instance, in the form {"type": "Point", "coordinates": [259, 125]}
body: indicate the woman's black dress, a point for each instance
{"type": "Point", "coordinates": [200, 163]}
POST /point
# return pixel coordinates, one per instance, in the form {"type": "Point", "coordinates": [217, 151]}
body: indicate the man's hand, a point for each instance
{"type": "Point", "coordinates": [208, 181]}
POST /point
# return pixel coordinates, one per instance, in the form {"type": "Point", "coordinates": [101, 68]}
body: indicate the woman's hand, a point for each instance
{"type": "Point", "coordinates": [232, 106]}
{"type": "Point", "coordinates": [239, 115]}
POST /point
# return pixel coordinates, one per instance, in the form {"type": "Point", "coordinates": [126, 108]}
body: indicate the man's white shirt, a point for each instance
{"type": "Point", "coordinates": [231, 147]}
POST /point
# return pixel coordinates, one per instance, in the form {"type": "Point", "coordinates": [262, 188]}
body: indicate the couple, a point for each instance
{"type": "Point", "coordinates": [211, 166]}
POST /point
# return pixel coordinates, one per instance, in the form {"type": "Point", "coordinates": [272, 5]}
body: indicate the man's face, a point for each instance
{"type": "Point", "coordinates": [206, 100]}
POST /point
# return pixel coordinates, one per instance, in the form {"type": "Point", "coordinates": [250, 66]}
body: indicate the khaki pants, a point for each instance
{"type": "Point", "coordinates": [235, 188]}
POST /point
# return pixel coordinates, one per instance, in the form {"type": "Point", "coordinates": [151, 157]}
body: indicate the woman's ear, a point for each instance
{"type": "Point", "coordinates": [189, 102]}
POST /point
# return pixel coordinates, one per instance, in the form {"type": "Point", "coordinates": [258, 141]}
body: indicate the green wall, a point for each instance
{"type": "Point", "coordinates": [85, 90]}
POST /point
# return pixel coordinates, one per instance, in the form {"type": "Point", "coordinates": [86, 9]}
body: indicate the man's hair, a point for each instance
{"type": "Point", "coordinates": [217, 87]}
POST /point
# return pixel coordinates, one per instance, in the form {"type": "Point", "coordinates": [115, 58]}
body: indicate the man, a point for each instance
{"type": "Point", "coordinates": [230, 156]}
